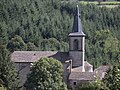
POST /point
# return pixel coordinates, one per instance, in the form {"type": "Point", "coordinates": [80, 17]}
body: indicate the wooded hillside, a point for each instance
{"type": "Point", "coordinates": [45, 25]}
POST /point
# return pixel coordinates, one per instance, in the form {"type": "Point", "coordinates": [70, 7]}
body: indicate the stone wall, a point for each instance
{"type": "Point", "coordinates": [66, 71]}
{"type": "Point", "coordinates": [73, 83]}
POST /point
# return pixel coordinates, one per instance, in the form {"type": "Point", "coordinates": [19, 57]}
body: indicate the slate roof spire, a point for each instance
{"type": "Point", "coordinates": [77, 26]}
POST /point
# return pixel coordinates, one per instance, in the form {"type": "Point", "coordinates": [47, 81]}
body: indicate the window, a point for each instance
{"type": "Point", "coordinates": [74, 83]}
{"type": "Point", "coordinates": [76, 44]}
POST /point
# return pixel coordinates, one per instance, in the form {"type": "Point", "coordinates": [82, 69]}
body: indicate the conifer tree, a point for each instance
{"type": "Point", "coordinates": [8, 74]}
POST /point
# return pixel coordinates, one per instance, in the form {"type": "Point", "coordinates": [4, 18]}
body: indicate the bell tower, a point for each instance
{"type": "Point", "coordinates": [77, 42]}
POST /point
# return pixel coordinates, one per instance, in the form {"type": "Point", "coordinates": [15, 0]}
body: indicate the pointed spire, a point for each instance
{"type": "Point", "coordinates": [77, 11]}
{"type": "Point", "coordinates": [77, 26]}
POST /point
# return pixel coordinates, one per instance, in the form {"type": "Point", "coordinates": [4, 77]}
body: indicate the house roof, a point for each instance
{"type": "Point", "coordinates": [98, 73]}
{"type": "Point", "coordinates": [102, 68]}
{"type": "Point", "coordinates": [87, 66]}
{"type": "Point", "coordinates": [32, 56]}
{"type": "Point", "coordinates": [77, 69]}
{"type": "Point", "coordinates": [88, 76]}
{"type": "Point", "coordinates": [82, 76]}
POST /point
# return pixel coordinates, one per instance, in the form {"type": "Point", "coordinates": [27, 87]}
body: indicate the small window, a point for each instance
{"type": "Point", "coordinates": [76, 42]}
{"type": "Point", "coordinates": [74, 83]}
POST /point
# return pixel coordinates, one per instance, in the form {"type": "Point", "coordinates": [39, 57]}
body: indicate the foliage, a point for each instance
{"type": "Point", "coordinates": [46, 74]}
{"type": "Point", "coordinates": [98, 85]}
{"type": "Point", "coordinates": [46, 24]}
{"type": "Point", "coordinates": [16, 44]}
{"type": "Point", "coordinates": [93, 85]}
{"type": "Point", "coordinates": [8, 73]}
{"type": "Point", "coordinates": [3, 34]}
{"type": "Point", "coordinates": [2, 87]}
{"type": "Point", "coordinates": [112, 78]}
{"type": "Point", "coordinates": [31, 47]}
{"type": "Point", "coordinates": [107, 48]}
{"type": "Point", "coordinates": [53, 45]}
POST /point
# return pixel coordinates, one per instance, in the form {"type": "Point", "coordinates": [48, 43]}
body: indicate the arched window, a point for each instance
{"type": "Point", "coordinates": [76, 44]}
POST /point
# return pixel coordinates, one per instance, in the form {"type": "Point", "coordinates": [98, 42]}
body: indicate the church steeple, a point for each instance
{"type": "Point", "coordinates": [77, 26]}
{"type": "Point", "coordinates": [77, 42]}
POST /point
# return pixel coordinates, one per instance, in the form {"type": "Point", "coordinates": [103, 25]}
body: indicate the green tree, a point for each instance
{"type": "Point", "coordinates": [38, 21]}
{"type": "Point", "coordinates": [50, 44]}
{"type": "Point", "coordinates": [3, 33]}
{"type": "Point", "coordinates": [93, 85]}
{"type": "Point", "coordinates": [31, 46]}
{"type": "Point", "coordinates": [16, 44]}
{"type": "Point", "coordinates": [46, 74]}
{"type": "Point", "coordinates": [112, 78]}
{"type": "Point", "coordinates": [1, 84]}
{"type": "Point", "coordinates": [8, 74]}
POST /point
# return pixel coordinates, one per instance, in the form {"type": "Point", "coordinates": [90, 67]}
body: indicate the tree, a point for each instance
{"type": "Point", "coordinates": [38, 21]}
{"type": "Point", "coordinates": [50, 44]}
{"type": "Point", "coordinates": [46, 74]}
{"type": "Point", "coordinates": [112, 78]}
{"type": "Point", "coordinates": [16, 44]}
{"type": "Point", "coordinates": [31, 46]}
{"type": "Point", "coordinates": [99, 1]}
{"type": "Point", "coordinates": [8, 73]}
{"type": "Point", "coordinates": [93, 85]}
{"type": "Point", "coordinates": [3, 33]}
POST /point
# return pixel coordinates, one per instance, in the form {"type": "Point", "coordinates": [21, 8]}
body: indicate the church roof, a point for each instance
{"type": "Point", "coordinates": [32, 56]}
{"type": "Point", "coordinates": [77, 26]}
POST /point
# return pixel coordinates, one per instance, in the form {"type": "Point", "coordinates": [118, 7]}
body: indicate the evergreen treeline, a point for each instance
{"type": "Point", "coordinates": [9, 79]}
{"type": "Point", "coordinates": [45, 25]}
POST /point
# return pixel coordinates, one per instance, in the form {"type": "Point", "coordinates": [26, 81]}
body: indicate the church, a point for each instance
{"type": "Point", "coordinates": [75, 69]}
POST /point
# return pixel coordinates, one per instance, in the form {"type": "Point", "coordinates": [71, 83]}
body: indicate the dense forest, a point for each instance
{"type": "Point", "coordinates": [45, 25]}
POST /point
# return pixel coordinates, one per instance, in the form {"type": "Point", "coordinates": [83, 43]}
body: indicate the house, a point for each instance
{"type": "Point", "coordinates": [75, 69]}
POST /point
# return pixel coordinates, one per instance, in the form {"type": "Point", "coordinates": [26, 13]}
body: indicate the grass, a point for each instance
{"type": "Point", "coordinates": [106, 4]}
{"type": "Point", "coordinates": [95, 2]}
{"type": "Point", "coordinates": [109, 6]}
{"type": "Point", "coordinates": [85, 2]}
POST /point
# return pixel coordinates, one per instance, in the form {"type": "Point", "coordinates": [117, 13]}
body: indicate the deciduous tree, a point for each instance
{"type": "Point", "coordinates": [46, 74]}
{"type": "Point", "coordinates": [112, 78]}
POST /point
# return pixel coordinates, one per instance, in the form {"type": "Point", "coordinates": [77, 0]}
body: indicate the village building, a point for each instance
{"type": "Point", "coordinates": [75, 69]}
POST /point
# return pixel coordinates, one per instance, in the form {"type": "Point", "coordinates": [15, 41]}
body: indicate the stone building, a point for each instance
{"type": "Point", "coordinates": [75, 69]}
